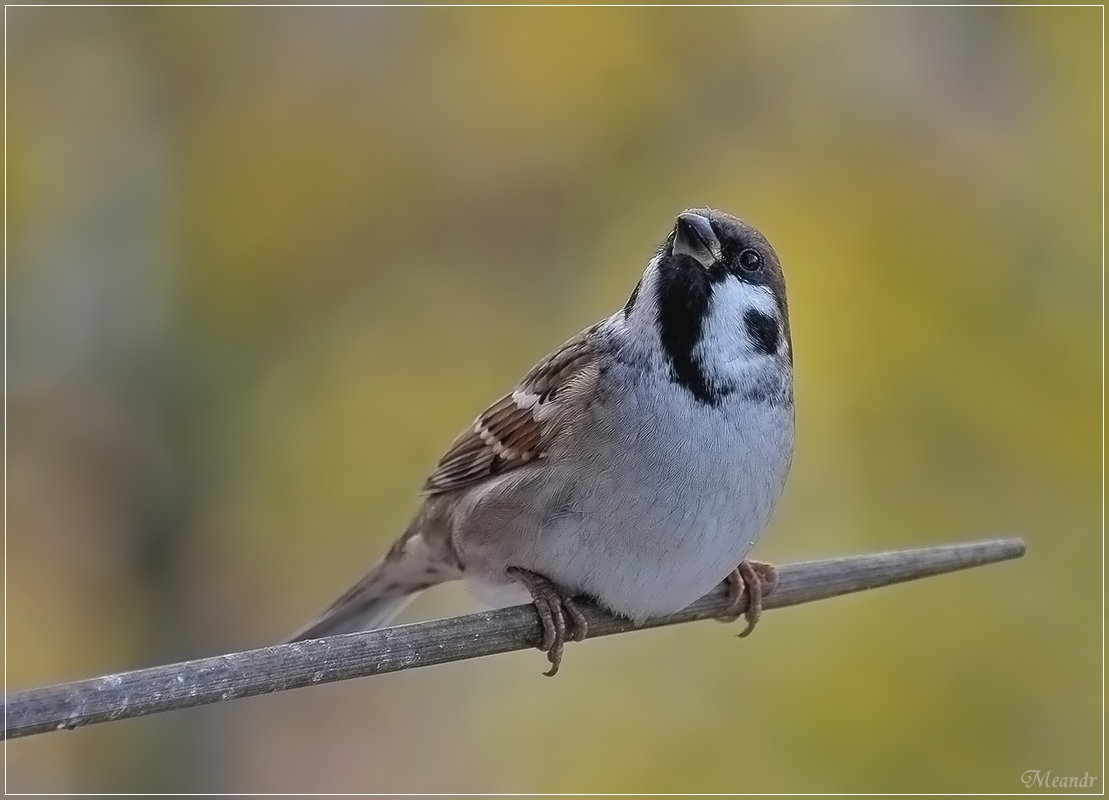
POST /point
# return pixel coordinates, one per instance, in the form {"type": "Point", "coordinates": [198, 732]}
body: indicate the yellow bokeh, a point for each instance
{"type": "Point", "coordinates": [264, 263]}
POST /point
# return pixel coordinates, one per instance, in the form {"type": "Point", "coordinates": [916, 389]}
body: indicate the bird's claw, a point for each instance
{"type": "Point", "coordinates": [559, 616]}
{"type": "Point", "coordinates": [747, 584]}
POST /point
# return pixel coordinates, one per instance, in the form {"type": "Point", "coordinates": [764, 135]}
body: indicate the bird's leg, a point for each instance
{"type": "Point", "coordinates": [559, 615]}
{"type": "Point", "coordinates": [753, 579]}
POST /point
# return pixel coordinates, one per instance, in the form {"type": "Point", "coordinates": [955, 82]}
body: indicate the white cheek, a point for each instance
{"type": "Point", "coordinates": [644, 313]}
{"type": "Point", "coordinates": [642, 323]}
{"type": "Point", "coordinates": [724, 333]}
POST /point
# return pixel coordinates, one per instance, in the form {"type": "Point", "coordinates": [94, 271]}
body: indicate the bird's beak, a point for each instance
{"type": "Point", "coordinates": [694, 237]}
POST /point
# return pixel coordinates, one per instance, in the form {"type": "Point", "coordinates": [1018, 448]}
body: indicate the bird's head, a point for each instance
{"type": "Point", "coordinates": [715, 298]}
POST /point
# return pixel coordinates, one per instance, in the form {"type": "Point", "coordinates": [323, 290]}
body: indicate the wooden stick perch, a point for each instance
{"type": "Point", "coordinates": [336, 658]}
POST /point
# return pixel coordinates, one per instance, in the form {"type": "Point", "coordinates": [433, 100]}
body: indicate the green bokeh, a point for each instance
{"type": "Point", "coordinates": [264, 263]}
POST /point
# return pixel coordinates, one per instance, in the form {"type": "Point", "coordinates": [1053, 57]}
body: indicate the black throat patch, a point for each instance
{"type": "Point", "coordinates": [683, 300]}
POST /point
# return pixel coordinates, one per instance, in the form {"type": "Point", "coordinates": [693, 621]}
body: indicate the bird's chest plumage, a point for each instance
{"type": "Point", "coordinates": [682, 495]}
{"type": "Point", "coordinates": [659, 502]}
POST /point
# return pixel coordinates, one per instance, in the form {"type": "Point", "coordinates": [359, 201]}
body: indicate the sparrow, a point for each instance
{"type": "Point", "coordinates": [637, 465]}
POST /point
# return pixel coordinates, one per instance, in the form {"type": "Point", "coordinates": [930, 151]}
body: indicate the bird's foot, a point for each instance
{"type": "Point", "coordinates": [559, 616]}
{"type": "Point", "coordinates": [753, 579]}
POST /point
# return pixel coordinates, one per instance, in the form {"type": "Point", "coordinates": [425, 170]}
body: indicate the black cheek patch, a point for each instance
{"type": "Point", "coordinates": [763, 331]}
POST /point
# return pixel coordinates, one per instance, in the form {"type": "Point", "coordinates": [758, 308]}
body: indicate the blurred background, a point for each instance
{"type": "Point", "coordinates": [263, 264]}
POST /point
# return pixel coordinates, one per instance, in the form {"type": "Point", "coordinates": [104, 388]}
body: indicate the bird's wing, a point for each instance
{"type": "Point", "coordinates": [518, 428]}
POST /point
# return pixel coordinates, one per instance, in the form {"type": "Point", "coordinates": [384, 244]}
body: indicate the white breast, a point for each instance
{"type": "Point", "coordinates": [654, 508]}
{"type": "Point", "coordinates": [685, 495]}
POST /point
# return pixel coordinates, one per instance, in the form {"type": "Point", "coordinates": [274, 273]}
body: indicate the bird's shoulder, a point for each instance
{"type": "Point", "coordinates": [519, 427]}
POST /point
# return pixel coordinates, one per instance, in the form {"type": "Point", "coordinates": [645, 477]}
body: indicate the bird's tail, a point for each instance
{"type": "Point", "coordinates": [409, 568]}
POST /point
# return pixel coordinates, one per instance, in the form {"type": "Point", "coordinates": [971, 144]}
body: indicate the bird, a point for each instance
{"type": "Point", "coordinates": [636, 466]}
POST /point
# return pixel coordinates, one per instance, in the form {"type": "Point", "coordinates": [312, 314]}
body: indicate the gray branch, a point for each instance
{"type": "Point", "coordinates": [336, 658]}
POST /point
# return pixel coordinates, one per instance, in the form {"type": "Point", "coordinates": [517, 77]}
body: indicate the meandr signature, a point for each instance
{"type": "Point", "coordinates": [1045, 779]}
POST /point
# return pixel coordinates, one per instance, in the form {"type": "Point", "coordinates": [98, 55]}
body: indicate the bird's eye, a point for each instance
{"type": "Point", "coordinates": [750, 260]}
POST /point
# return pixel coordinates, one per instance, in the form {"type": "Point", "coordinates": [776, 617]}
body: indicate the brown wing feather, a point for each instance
{"type": "Point", "coordinates": [517, 428]}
